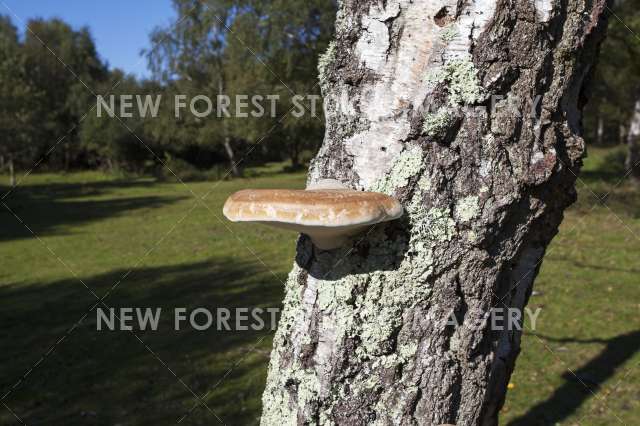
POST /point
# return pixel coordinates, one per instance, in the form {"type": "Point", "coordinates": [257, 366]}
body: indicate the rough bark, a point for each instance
{"type": "Point", "coordinates": [363, 337]}
{"type": "Point", "coordinates": [633, 144]}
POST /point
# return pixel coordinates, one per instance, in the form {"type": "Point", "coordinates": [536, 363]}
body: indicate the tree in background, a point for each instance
{"type": "Point", "coordinates": [66, 79]}
{"type": "Point", "coordinates": [613, 114]}
{"type": "Point", "coordinates": [632, 162]}
{"type": "Point", "coordinates": [20, 104]}
{"type": "Point", "coordinates": [109, 137]}
{"type": "Point", "coordinates": [238, 47]}
{"type": "Point", "coordinates": [288, 37]}
{"type": "Point", "coordinates": [187, 58]}
{"type": "Point", "coordinates": [53, 72]}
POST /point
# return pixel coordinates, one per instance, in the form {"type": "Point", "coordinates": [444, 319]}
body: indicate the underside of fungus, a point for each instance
{"type": "Point", "coordinates": [327, 212]}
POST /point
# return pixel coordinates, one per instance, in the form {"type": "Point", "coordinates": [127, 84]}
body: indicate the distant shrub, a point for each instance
{"type": "Point", "coordinates": [177, 169]}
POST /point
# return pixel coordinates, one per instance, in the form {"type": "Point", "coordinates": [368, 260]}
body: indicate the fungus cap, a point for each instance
{"type": "Point", "coordinates": [329, 216]}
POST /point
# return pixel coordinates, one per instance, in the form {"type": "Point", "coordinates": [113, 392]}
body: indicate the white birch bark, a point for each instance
{"type": "Point", "coordinates": [364, 337]}
{"type": "Point", "coordinates": [633, 144]}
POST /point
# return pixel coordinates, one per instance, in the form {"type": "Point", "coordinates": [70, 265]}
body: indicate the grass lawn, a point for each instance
{"type": "Point", "coordinates": [165, 249]}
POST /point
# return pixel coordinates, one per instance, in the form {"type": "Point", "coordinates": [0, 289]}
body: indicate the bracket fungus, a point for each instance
{"type": "Point", "coordinates": [327, 211]}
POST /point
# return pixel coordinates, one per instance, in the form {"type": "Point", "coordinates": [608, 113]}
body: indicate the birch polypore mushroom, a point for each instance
{"type": "Point", "coordinates": [327, 212]}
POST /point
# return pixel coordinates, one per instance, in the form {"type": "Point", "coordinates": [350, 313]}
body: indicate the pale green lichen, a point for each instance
{"type": "Point", "coordinates": [292, 298]}
{"type": "Point", "coordinates": [434, 225]}
{"type": "Point", "coordinates": [467, 208]}
{"type": "Point", "coordinates": [308, 385]}
{"type": "Point", "coordinates": [424, 183]}
{"type": "Point", "coordinates": [307, 390]}
{"type": "Point", "coordinates": [463, 85]}
{"type": "Point", "coordinates": [436, 124]}
{"type": "Point", "coordinates": [387, 361]}
{"type": "Point", "coordinates": [377, 328]}
{"type": "Point", "coordinates": [329, 294]}
{"type": "Point", "coordinates": [407, 165]}
{"type": "Point", "coordinates": [325, 418]}
{"type": "Point", "coordinates": [461, 78]}
{"type": "Point", "coordinates": [449, 34]}
{"type": "Point", "coordinates": [371, 382]}
{"type": "Point", "coordinates": [440, 225]}
{"type": "Point", "coordinates": [427, 229]}
{"type": "Point", "coordinates": [324, 60]}
{"type": "Point", "coordinates": [408, 350]}
{"type": "Point", "coordinates": [436, 76]}
{"type": "Point", "coordinates": [276, 400]}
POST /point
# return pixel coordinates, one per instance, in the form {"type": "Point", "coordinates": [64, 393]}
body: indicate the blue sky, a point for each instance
{"type": "Point", "coordinates": [120, 28]}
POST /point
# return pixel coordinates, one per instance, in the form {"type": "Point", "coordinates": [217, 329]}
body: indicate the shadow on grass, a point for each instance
{"type": "Point", "coordinates": [45, 207]}
{"type": "Point", "coordinates": [583, 265]}
{"type": "Point", "coordinates": [585, 383]}
{"type": "Point", "coordinates": [53, 190]}
{"type": "Point", "coordinates": [111, 377]}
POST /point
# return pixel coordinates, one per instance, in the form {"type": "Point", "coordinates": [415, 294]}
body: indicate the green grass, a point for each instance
{"type": "Point", "coordinates": [93, 229]}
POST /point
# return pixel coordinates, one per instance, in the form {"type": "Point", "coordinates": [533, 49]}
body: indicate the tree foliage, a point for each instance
{"type": "Point", "coordinates": [241, 47]}
{"type": "Point", "coordinates": [266, 51]}
{"type": "Point", "coordinates": [20, 101]}
{"type": "Point", "coordinates": [616, 84]}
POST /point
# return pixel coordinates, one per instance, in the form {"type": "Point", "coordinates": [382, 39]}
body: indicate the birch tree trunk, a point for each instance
{"type": "Point", "coordinates": [231, 156]}
{"type": "Point", "coordinates": [600, 131]}
{"type": "Point", "coordinates": [12, 174]}
{"type": "Point", "coordinates": [633, 144]}
{"type": "Point", "coordinates": [365, 336]}
{"type": "Point", "coordinates": [622, 133]}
